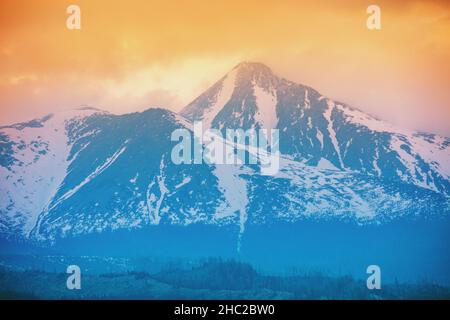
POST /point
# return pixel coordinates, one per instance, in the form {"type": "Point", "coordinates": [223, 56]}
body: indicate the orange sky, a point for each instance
{"type": "Point", "coordinates": [130, 55]}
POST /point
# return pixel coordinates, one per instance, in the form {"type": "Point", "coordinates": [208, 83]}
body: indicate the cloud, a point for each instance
{"type": "Point", "coordinates": [169, 52]}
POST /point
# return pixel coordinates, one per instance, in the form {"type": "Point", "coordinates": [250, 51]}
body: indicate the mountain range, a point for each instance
{"type": "Point", "coordinates": [88, 172]}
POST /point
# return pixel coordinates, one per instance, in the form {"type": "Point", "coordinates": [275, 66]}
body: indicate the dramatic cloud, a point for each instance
{"type": "Point", "coordinates": [130, 55]}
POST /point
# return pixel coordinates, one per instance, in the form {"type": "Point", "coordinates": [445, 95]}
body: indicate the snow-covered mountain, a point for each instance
{"type": "Point", "coordinates": [35, 157]}
{"type": "Point", "coordinates": [88, 172]}
{"type": "Point", "coordinates": [317, 129]}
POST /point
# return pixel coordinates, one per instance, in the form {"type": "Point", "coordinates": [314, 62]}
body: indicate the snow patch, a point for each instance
{"type": "Point", "coordinates": [324, 164]}
{"type": "Point", "coordinates": [234, 189]}
{"type": "Point", "coordinates": [224, 95]}
{"type": "Point", "coordinates": [42, 155]}
{"type": "Point", "coordinates": [334, 141]}
{"type": "Point", "coordinates": [108, 162]}
{"type": "Point", "coordinates": [266, 113]}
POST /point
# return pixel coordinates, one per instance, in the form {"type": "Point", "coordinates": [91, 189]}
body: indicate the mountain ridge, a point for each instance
{"type": "Point", "coordinates": [314, 127]}
{"type": "Point", "coordinates": [88, 171]}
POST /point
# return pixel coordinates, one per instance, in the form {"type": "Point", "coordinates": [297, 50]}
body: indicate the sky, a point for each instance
{"type": "Point", "coordinates": [131, 55]}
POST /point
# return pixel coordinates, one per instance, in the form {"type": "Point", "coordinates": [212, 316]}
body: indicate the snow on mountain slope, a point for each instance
{"type": "Point", "coordinates": [331, 132]}
{"type": "Point", "coordinates": [430, 147]}
{"type": "Point", "coordinates": [313, 127]}
{"type": "Point", "coordinates": [84, 171]}
{"type": "Point", "coordinates": [34, 164]}
{"type": "Point", "coordinates": [117, 174]}
{"type": "Point", "coordinates": [221, 97]}
{"type": "Point", "coordinates": [248, 84]}
{"type": "Point", "coordinates": [266, 115]}
{"type": "Point", "coordinates": [109, 161]}
{"type": "Point", "coordinates": [123, 178]}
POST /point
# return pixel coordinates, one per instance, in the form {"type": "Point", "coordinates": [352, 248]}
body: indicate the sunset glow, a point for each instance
{"type": "Point", "coordinates": [132, 55]}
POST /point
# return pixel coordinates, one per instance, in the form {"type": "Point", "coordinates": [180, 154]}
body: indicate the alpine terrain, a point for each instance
{"type": "Point", "coordinates": [352, 190]}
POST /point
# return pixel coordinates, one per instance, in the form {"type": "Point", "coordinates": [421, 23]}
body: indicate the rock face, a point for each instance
{"type": "Point", "coordinates": [314, 128]}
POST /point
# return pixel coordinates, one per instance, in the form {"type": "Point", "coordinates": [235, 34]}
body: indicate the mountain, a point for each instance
{"type": "Point", "coordinates": [86, 171]}
{"type": "Point", "coordinates": [34, 160]}
{"type": "Point", "coordinates": [313, 127]}
{"type": "Point", "coordinates": [348, 183]}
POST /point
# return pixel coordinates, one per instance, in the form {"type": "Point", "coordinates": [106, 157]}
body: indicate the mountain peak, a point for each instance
{"type": "Point", "coordinates": [251, 75]}
{"type": "Point", "coordinates": [253, 68]}
{"type": "Point", "coordinates": [251, 65]}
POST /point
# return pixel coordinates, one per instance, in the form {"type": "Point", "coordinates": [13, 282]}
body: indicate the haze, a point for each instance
{"type": "Point", "coordinates": [132, 55]}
